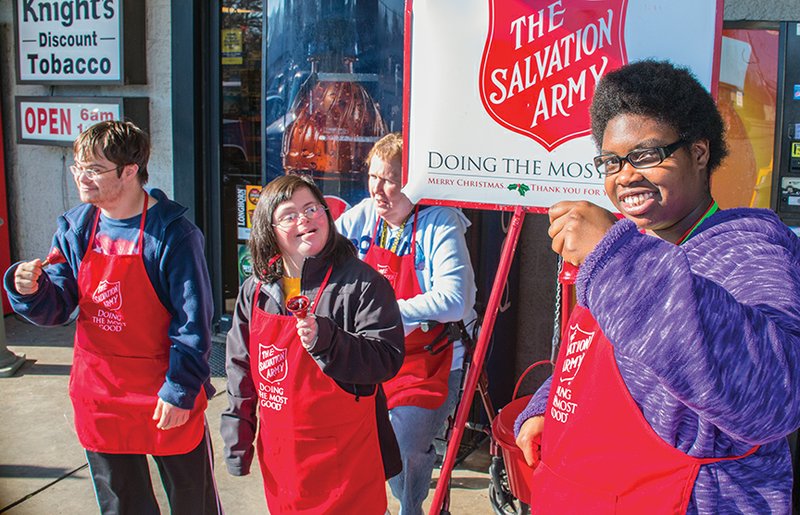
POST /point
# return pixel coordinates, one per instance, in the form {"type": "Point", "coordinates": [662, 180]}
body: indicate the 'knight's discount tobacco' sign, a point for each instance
{"type": "Point", "coordinates": [498, 111]}
{"type": "Point", "coordinates": [86, 41]}
{"type": "Point", "coordinates": [68, 40]}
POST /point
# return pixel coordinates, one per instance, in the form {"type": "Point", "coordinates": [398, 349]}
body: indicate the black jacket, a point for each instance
{"type": "Point", "coordinates": [360, 344]}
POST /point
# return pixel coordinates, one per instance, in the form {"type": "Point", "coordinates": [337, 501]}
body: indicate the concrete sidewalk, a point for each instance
{"type": "Point", "coordinates": [43, 468]}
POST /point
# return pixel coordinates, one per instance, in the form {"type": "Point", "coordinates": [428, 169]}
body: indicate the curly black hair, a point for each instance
{"type": "Point", "coordinates": [664, 92]}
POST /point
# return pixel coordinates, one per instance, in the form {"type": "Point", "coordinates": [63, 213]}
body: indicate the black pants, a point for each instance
{"type": "Point", "coordinates": [122, 482]}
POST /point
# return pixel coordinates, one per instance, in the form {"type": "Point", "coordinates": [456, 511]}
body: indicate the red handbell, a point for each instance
{"type": "Point", "coordinates": [298, 306]}
{"type": "Point", "coordinates": [55, 257]}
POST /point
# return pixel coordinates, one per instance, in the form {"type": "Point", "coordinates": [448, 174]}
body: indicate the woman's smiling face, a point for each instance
{"type": "Point", "coordinates": [664, 200]}
{"type": "Point", "coordinates": [307, 236]}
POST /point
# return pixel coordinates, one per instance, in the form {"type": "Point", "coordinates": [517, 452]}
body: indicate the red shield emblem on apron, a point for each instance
{"type": "Point", "coordinates": [388, 273]}
{"type": "Point", "coordinates": [542, 60]}
{"type": "Point", "coordinates": [272, 364]}
{"type": "Point", "coordinates": [578, 342]}
{"type": "Point", "coordinates": [109, 295]}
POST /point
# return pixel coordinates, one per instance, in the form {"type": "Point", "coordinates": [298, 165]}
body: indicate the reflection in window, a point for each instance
{"type": "Point", "coordinates": [333, 84]}
{"type": "Point", "coordinates": [747, 97]}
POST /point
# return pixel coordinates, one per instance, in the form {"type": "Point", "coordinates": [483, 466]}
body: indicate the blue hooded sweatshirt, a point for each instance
{"type": "Point", "coordinates": [176, 265]}
{"type": "Point", "coordinates": [706, 336]}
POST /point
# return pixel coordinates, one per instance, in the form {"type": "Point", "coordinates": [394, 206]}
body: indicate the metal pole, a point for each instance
{"type": "Point", "coordinates": [506, 256]}
{"type": "Point", "coordinates": [9, 362]}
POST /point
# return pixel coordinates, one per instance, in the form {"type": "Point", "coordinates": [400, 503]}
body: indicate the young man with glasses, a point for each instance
{"type": "Point", "coordinates": [135, 269]}
{"type": "Point", "coordinates": [677, 383]}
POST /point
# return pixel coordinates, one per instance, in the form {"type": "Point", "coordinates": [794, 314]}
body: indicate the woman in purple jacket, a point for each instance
{"type": "Point", "coordinates": [678, 379]}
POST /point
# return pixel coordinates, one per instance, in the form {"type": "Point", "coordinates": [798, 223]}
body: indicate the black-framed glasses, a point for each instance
{"type": "Point", "coordinates": [91, 173]}
{"type": "Point", "coordinates": [609, 164]}
{"type": "Point", "coordinates": [289, 219]}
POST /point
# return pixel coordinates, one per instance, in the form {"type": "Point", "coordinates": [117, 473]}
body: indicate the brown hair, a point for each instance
{"type": "Point", "coordinates": [263, 243]}
{"type": "Point", "coordinates": [122, 143]}
{"type": "Point", "coordinates": [388, 148]}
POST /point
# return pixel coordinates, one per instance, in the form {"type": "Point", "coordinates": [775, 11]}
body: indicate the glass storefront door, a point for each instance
{"type": "Point", "coordinates": [241, 25]}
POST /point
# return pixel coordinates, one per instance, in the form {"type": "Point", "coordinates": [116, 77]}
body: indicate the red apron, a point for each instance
{"type": "Point", "coordinates": [317, 445]}
{"type": "Point", "coordinates": [422, 379]}
{"type": "Point", "coordinates": [599, 454]}
{"type": "Point", "coordinates": [121, 358]}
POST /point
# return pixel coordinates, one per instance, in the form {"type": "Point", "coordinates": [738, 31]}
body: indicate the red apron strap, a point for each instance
{"type": "Point", "coordinates": [375, 230]}
{"type": "Point", "coordinates": [255, 300]}
{"type": "Point", "coordinates": [414, 237]}
{"type": "Point", "coordinates": [94, 229]}
{"type": "Point", "coordinates": [313, 304]}
{"type": "Point", "coordinates": [706, 461]}
{"type": "Point", "coordinates": [139, 243]}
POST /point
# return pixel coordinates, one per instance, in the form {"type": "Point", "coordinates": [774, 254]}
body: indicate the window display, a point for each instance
{"type": "Point", "coordinates": [307, 88]}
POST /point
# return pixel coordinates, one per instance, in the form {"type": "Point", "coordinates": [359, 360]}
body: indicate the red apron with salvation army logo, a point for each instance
{"type": "Point", "coordinates": [422, 379]}
{"type": "Point", "coordinates": [317, 445]}
{"type": "Point", "coordinates": [599, 454]}
{"type": "Point", "coordinates": [121, 358]}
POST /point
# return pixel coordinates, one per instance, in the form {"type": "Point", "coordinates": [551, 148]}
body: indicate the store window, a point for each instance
{"type": "Point", "coordinates": [307, 88]}
{"type": "Point", "coordinates": [747, 101]}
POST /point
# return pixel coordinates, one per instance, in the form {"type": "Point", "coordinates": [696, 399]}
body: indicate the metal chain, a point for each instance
{"type": "Point", "coordinates": [556, 341]}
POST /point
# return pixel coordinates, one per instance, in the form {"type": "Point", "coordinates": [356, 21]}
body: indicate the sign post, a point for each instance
{"type": "Point", "coordinates": [481, 347]}
{"type": "Point", "coordinates": [9, 361]}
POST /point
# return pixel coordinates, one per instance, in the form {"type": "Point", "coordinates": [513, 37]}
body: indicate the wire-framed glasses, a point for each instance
{"type": "Point", "coordinates": [309, 213]}
{"type": "Point", "coordinates": [91, 173]}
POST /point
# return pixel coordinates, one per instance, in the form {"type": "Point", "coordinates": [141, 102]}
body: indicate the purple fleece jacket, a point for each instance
{"type": "Point", "coordinates": [707, 339]}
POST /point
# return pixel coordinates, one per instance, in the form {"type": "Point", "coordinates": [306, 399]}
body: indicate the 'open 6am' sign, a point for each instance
{"type": "Point", "coordinates": [58, 121]}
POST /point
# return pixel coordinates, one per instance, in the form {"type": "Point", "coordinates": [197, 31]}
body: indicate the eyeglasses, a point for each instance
{"type": "Point", "coordinates": [91, 173]}
{"type": "Point", "coordinates": [310, 213]}
{"type": "Point", "coordinates": [609, 164]}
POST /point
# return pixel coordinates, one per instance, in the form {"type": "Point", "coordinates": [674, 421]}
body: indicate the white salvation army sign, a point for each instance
{"type": "Point", "coordinates": [498, 91]}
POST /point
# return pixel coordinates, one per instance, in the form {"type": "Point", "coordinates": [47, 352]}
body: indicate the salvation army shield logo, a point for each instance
{"type": "Point", "coordinates": [578, 342]}
{"type": "Point", "coordinates": [388, 273]}
{"type": "Point", "coordinates": [108, 294]}
{"type": "Point", "coordinates": [542, 61]}
{"type": "Point", "coordinates": [272, 364]}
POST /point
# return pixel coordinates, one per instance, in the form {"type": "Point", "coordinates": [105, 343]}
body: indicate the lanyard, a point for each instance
{"type": "Point", "coordinates": [396, 240]}
{"type": "Point", "coordinates": [713, 208]}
